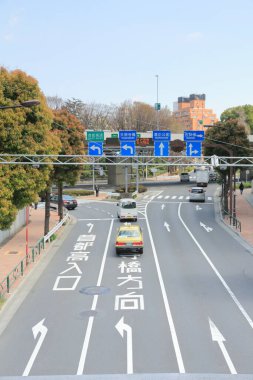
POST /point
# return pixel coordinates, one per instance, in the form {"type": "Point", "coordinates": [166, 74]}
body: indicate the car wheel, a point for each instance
{"type": "Point", "coordinates": [117, 251]}
{"type": "Point", "coordinates": [141, 250]}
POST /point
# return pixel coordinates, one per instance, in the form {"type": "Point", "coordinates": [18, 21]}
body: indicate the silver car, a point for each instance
{"type": "Point", "coordinates": [197, 194]}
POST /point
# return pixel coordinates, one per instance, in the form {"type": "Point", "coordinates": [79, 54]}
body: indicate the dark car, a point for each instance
{"type": "Point", "coordinates": [68, 201]}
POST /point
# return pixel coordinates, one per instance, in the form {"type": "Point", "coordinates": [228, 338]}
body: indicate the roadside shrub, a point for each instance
{"type": "Point", "coordinates": [131, 189]}
{"type": "Point", "coordinates": [78, 192]}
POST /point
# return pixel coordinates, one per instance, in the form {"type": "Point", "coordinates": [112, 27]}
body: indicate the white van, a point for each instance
{"type": "Point", "coordinates": [127, 209]}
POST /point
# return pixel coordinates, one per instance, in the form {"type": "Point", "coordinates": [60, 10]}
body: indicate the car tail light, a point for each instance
{"type": "Point", "coordinates": [138, 243]}
{"type": "Point", "coordinates": [120, 243]}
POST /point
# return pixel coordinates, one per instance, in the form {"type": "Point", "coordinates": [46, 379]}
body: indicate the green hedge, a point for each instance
{"type": "Point", "coordinates": [131, 189]}
{"type": "Point", "coordinates": [78, 192]}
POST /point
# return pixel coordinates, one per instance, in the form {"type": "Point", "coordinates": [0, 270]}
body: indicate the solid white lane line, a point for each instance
{"type": "Point", "coordinates": [232, 295]}
{"type": "Point", "coordinates": [94, 304]}
{"type": "Point", "coordinates": [166, 304]}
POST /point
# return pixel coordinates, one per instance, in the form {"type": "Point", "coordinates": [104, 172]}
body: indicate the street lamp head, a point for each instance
{"type": "Point", "coordinates": [27, 103]}
{"type": "Point", "coordinates": [30, 103]}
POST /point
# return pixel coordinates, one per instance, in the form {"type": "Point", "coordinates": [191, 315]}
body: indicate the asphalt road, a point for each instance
{"type": "Point", "coordinates": [184, 306]}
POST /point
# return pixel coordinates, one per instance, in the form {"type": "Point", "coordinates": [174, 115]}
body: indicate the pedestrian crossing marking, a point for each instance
{"type": "Point", "coordinates": [148, 197]}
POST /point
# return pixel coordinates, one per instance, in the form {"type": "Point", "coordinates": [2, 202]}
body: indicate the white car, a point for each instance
{"type": "Point", "coordinates": [197, 194]}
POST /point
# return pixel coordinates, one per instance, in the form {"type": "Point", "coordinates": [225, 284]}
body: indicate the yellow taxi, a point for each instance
{"type": "Point", "coordinates": [129, 239]}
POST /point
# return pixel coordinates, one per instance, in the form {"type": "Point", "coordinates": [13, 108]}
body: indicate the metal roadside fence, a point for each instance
{"type": "Point", "coordinates": [19, 270]}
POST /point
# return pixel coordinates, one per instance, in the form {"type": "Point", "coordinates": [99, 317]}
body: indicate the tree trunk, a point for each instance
{"type": "Point", "coordinates": [60, 202]}
{"type": "Point", "coordinates": [47, 210]}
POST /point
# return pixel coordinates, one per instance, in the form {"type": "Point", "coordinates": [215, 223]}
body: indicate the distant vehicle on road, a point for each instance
{"type": "Point", "coordinates": [129, 239]}
{"type": "Point", "coordinates": [213, 176]}
{"type": "Point", "coordinates": [67, 200]}
{"type": "Point", "coordinates": [127, 209]}
{"type": "Point", "coordinates": [197, 194]}
{"type": "Point", "coordinates": [184, 177]}
{"type": "Point", "coordinates": [202, 178]}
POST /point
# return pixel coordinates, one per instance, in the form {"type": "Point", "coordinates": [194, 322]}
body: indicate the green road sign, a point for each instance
{"type": "Point", "coordinates": [95, 135]}
{"type": "Point", "coordinates": [157, 106]}
{"type": "Point", "coordinates": [138, 135]}
{"type": "Point", "coordinates": [114, 135]}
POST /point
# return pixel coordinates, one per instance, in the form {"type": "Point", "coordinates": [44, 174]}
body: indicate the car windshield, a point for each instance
{"type": "Point", "coordinates": [129, 233]}
{"type": "Point", "coordinates": [128, 204]}
{"type": "Point", "coordinates": [197, 191]}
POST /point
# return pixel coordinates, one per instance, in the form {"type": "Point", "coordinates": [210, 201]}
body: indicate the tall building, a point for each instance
{"type": "Point", "coordinates": [192, 113]}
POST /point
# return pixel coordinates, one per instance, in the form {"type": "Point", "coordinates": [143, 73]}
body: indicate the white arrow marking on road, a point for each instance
{"type": "Point", "coordinates": [74, 265]}
{"type": "Point", "coordinates": [94, 147]}
{"type": "Point", "coordinates": [208, 229]}
{"type": "Point", "coordinates": [90, 225]}
{"type": "Point", "coordinates": [121, 327]}
{"type": "Point", "coordinates": [219, 338]}
{"type": "Point", "coordinates": [198, 207]}
{"type": "Point", "coordinates": [162, 206]}
{"type": "Point", "coordinates": [126, 147]}
{"type": "Point", "coordinates": [39, 328]}
{"type": "Point", "coordinates": [161, 146]}
{"type": "Point", "coordinates": [167, 226]}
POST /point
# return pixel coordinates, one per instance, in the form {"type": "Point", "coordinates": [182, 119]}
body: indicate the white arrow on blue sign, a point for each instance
{"type": "Point", "coordinates": [95, 148]}
{"type": "Point", "coordinates": [194, 135]}
{"type": "Point", "coordinates": [127, 148]}
{"type": "Point", "coordinates": [161, 148]}
{"type": "Point", "coordinates": [193, 149]}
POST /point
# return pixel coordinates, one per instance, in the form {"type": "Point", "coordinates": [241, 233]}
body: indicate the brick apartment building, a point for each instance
{"type": "Point", "coordinates": [192, 114]}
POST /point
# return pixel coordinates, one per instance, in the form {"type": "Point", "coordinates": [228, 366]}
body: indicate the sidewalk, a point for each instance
{"type": "Point", "coordinates": [13, 250]}
{"type": "Point", "coordinates": [244, 212]}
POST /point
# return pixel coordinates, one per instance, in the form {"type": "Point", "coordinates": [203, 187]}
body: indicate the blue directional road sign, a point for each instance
{"type": "Point", "coordinates": [194, 135]}
{"type": "Point", "coordinates": [161, 148]}
{"type": "Point", "coordinates": [95, 148]}
{"type": "Point", "coordinates": [161, 135]}
{"type": "Point", "coordinates": [127, 148]}
{"type": "Point", "coordinates": [127, 135]}
{"type": "Point", "coordinates": [193, 149]}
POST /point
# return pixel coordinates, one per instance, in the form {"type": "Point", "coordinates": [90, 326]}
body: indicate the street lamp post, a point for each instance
{"type": "Point", "coordinates": [157, 107]}
{"type": "Point", "coordinates": [27, 103]}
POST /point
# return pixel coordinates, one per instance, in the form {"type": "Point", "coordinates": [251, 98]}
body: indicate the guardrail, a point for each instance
{"type": "Point", "coordinates": [53, 230]}
{"type": "Point", "coordinates": [232, 220]}
{"type": "Point", "coordinates": [19, 269]}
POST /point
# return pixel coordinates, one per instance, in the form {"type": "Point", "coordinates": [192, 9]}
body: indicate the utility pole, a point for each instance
{"type": "Point", "coordinates": [157, 105]}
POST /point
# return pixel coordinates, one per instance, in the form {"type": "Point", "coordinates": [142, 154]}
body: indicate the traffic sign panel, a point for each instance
{"type": "Point", "coordinates": [161, 148]}
{"type": "Point", "coordinates": [127, 148]}
{"type": "Point", "coordinates": [161, 135]}
{"type": "Point", "coordinates": [95, 148]}
{"type": "Point", "coordinates": [95, 135]}
{"type": "Point", "coordinates": [127, 135]}
{"type": "Point", "coordinates": [193, 149]}
{"type": "Point", "coordinates": [194, 135]}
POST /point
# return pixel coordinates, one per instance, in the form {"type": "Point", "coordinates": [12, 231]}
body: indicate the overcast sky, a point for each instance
{"type": "Point", "coordinates": [109, 51]}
